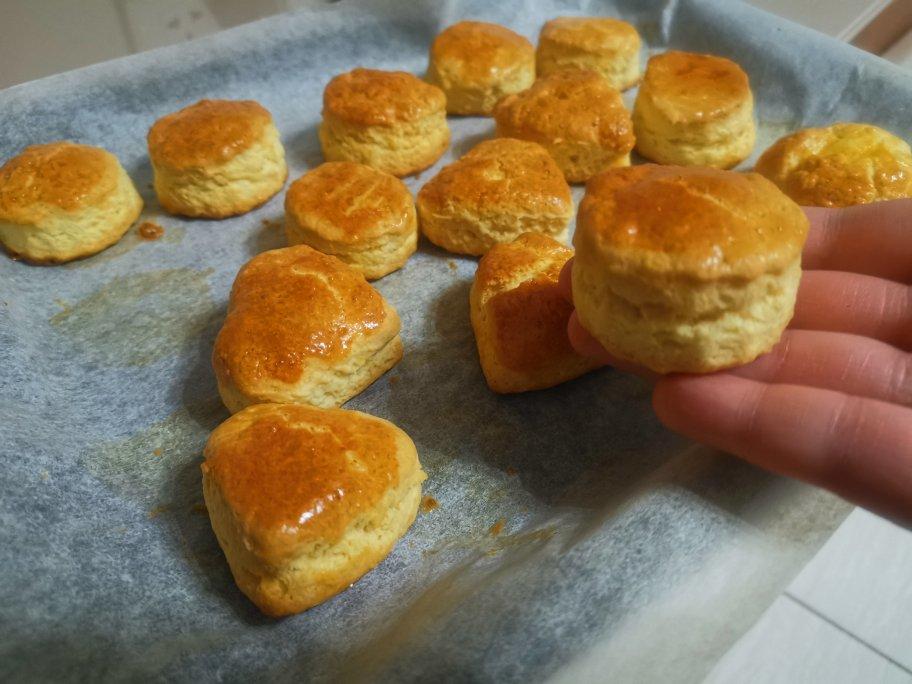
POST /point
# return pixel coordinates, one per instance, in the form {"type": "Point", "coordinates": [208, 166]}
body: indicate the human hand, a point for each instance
{"type": "Point", "coordinates": [832, 403]}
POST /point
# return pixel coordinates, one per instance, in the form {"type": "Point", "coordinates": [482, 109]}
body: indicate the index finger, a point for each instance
{"type": "Point", "coordinates": [871, 239]}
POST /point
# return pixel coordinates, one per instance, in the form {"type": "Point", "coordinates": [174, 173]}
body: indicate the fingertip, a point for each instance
{"type": "Point", "coordinates": [701, 406]}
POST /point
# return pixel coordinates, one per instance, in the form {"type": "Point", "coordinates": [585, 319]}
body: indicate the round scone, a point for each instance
{"type": "Point", "coordinates": [390, 120]}
{"type": "Point", "coordinates": [62, 201]}
{"type": "Point", "coordinates": [304, 501]}
{"type": "Point", "coordinates": [684, 269]}
{"type": "Point", "coordinates": [609, 47]}
{"type": "Point", "coordinates": [476, 64]}
{"type": "Point", "coordinates": [302, 327]}
{"type": "Point", "coordinates": [499, 190]}
{"type": "Point", "coordinates": [575, 115]}
{"type": "Point", "coordinates": [839, 165]}
{"type": "Point", "coordinates": [694, 110]}
{"type": "Point", "coordinates": [363, 216]}
{"type": "Point", "coordinates": [520, 316]}
{"type": "Point", "coordinates": [216, 158]}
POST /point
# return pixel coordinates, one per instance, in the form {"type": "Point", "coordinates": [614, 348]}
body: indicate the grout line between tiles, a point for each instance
{"type": "Point", "coordinates": [849, 634]}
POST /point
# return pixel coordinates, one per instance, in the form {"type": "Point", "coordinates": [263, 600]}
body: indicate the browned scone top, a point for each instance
{"type": "Point", "coordinates": [573, 104]}
{"type": "Point", "coordinates": [702, 221]}
{"type": "Point", "coordinates": [687, 86]}
{"type": "Point", "coordinates": [210, 132]}
{"type": "Point", "coordinates": [520, 316]}
{"type": "Point", "coordinates": [370, 97]}
{"type": "Point", "coordinates": [347, 202]}
{"type": "Point", "coordinates": [499, 174]}
{"type": "Point", "coordinates": [293, 475]}
{"type": "Point", "coordinates": [596, 34]}
{"type": "Point", "coordinates": [60, 174]}
{"type": "Point", "coordinates": [839, 165]}
{"type": "Point", "coordinates": [477, 52]}
{"type": "Point", "coordinates": [291, 306]}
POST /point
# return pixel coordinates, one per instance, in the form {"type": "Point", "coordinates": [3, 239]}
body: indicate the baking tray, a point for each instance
{"type": "Point", "coordinates": [625, 552]}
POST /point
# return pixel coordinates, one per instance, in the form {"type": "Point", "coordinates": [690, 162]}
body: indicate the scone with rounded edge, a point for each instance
{"type": "Point", "coordinates": [684, 269]}
{"type": "Point", "coordinates": [839, 165]}
{"type": "Point", "coordinates": [520, 316]}
{"type": "Point", "coordinates": [694, 110]}
{"type": "Point", "coordinates": [62, 201]}
{"type": "Point", "coordinates": [216, 158]}
{"type": "Point", "coordinates": [304, 501]}
{"type": "Point", "coordinates": [499, 190]}
{"type": "Point", "coordinates": [476, 64]}
{"type": "Point", "coordinates": [302, 327]}
{"type": "Point", "coordinates": [364, 217]}
{"type": "Point", "coordinates": [575, 115]}
{"type": "Point", "coordinates": [389, 120]}
{"type": "Point", "coordinates": [609, 47]}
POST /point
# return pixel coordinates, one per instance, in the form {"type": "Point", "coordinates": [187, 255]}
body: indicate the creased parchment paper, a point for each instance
{"type": "Point", "coordinates": [626, 554]}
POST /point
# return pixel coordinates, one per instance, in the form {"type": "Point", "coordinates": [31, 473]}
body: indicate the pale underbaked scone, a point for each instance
{"type": "Point", "coordinates": [694, 110]}
{"type": "Point", "coordinates": [520, 316]}
{"type": "Point", "coordinates": [304, 501]}
{"type": "Point", "coordinates": [390, 120]}
{"type": "Point", "coordinates": [577, 116]}
{"type": "Point", "coordinates": [62, 201]}
{"type": "Point", "coordinates": [476, 64]}
{"type": "Point", "coordinates": [839, 165]}
{"type": "Point", "coordinates": [302, 327]}
{"type": "Point", "coordinates": [686, 269]}
{"type": "Point", "coordinates": [609, 47]}
{"type": "Point", "coordinates": [499, 190]}
{"type": "Point", "coordinates": [363, 216]}
{"type": "Point", "coordinates": [216, 158]}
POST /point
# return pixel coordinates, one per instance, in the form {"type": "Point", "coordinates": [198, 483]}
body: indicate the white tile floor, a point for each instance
{"type": "Point", "coordinates": [846, 618]}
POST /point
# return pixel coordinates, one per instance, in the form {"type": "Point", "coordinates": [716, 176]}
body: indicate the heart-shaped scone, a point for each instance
{"type": "Point", "coordinates": [305, 328]}
{"type": "Point", "coordinates": [501, 189]}
{"type": "Point", "coordinates": [520, 317]}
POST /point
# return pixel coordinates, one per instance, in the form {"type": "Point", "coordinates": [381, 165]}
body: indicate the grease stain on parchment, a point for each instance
{"type": "Point", "coordinates": [172, 236]}
{"type": "Point", "coordinates": [132, 470]}
{"type": "Point", "coordinates": [137, 319]}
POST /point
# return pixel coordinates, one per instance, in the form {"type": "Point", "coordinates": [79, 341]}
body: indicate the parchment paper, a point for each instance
{"type": "Point", "coordinates": [626, 553]}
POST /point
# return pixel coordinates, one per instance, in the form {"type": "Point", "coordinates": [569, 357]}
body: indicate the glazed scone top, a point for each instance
{"type": "Point", "coordinates": [502, 174]}
{"type": "Point", "coordinates": [592, 34]}
{"type": "Point", "coordinates": [479, 52]}
{"type": "Point", "coordinates": [517, 282]}
{"type": "Point", "coordinates": [294, 474]}
{"type": "Point", "coordinates": [291, 305]}
{"type": "Point", "coordinates": [370, 97]}
{"type": "Point", "coordinates": [210, 132]}
{"type": "Point", "coordinates": [577, 105]}
{"type": "Point", "coordinates": [705, 222]}
{"type": "Point", "coordinates": [349, 202]}
{"type": "Point", "coordinates": [60, 174]}
{"type": "Point", "coordinates": [686, 86]}
{"type": "Point", "coordinates": [839, 165]}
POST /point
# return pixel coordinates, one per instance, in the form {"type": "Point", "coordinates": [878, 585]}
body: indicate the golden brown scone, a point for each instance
{"type": "Point", "coordinates": [499, 190]}
{"type": "Point", "coordinates": [575, 115]}
{"type": "Point", "coordinates": [63, 201]}
{"type": "Point", "coordinates": [216, 158]}
{"type": "Point", "coordinates": [839, 165]}
{"type": "Point", "coordinates": [304, 501]}
{"type": "Point", "coordinates": [390, 120]}
{"type": "Point", "coordinates": [520, 316]}
{"type": "Point", "coordinates": [476, 64]}
{"type": "Point", "coordinates": [363, 216]}
{"type": "Point", "coordinates": [686, 269]}
{"type": "Point", "coordinates": [302, 327]}
{"type": "Point", "coordinates": [694, 110]}
{"type": "Point", "coordinates": [609, 47]}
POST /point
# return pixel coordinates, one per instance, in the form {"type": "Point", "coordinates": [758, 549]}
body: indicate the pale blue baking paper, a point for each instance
{"type": "Point", "coordinates": [627, 554]}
